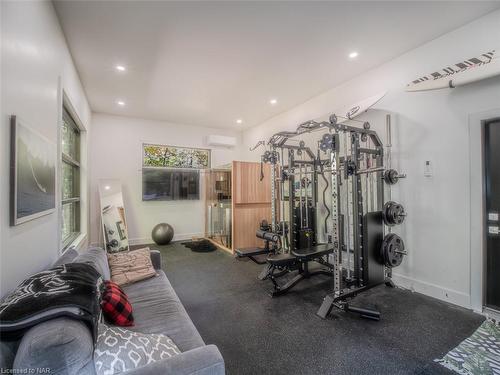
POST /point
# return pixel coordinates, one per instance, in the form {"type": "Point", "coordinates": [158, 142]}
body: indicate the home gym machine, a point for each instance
{"type": "Point", "coordinates": [342, 229]}
{"type": "Point", "coordinates": [291, 238]}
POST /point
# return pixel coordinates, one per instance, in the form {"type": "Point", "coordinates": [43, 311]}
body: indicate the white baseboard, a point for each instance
{"type": "Point", "coordinates": [432, 290]}
{"type": "Point", "coordinates": [177, 237]}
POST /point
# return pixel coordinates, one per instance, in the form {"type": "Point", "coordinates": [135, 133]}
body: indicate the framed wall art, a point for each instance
{"type": "Point", "coordinates": [32, 174]}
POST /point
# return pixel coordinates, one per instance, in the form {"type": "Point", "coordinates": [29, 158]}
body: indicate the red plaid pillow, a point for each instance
{"type": "Point", "coordinates": [115, 305]}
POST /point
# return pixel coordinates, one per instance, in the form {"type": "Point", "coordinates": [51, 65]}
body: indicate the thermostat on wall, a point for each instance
{"type": "Point", "coordinates": [428, 168]}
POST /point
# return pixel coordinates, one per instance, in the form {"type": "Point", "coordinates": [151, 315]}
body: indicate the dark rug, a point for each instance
{"type": "Point", "coordinates": [260, 335]}
{"type": "Point", "coordinates": [200, 246]}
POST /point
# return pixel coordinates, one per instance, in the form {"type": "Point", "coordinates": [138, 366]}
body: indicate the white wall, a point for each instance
{"type": "Point", "coordinates": [426, 126]}
{"type": "Point", "coordinates": [35, 67]}
{"type": "Point", "coordinates": [116, 151]}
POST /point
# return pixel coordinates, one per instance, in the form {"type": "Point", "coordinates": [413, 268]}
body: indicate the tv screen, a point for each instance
{"type": "Point", "coordinates": [163, 184]}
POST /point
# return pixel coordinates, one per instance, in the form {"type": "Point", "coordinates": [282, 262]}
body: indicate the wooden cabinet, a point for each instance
{"type": "Point", "coordinates": [248, 189]}
{"type": "Point", "coordinates": [251, 202]}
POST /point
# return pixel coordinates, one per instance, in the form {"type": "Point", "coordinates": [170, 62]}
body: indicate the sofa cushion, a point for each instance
{"type": "Point", "coordinates": [119, 350]}
{"type": "Point", "coordinates": [67, 257]}
{"type": "Point", "coordinates": [157, 309]}
{"type": "Point", "coordinates": [131, 266]}
{"type": "Point", "coordinates": [8, 351]}
{"type": "Point", "coordinates": [64, 345]}
{"type": "Point", "coordinates": [96, 257]}
{"type": "Point", "coordinates": [155, 259]}
{"type": "Point", "coordinates": [116, 306]}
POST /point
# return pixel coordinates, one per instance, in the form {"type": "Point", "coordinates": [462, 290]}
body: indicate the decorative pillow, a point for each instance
{"type": "Point", "coordinates": [127, 267]}
{"type": "Point", "coordinates": [115, 305]}
{"type": "Point", "coordinates": [119, 350]}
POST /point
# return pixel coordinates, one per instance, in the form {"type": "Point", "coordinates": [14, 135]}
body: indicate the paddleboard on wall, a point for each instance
{"type": "Point", "coordinates": [349, 113]}
{"type": "Point", "coordinates": [475, 69]}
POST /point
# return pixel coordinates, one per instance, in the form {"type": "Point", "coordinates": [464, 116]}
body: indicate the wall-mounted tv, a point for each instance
{"type": "Point", "coordinates": [165, 184]}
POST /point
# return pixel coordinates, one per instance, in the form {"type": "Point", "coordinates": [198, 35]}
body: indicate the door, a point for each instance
{"type": "Point", "coordinates": [492, 185]}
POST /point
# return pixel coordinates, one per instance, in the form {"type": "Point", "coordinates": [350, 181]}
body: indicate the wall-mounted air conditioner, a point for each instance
{"type": "Point", "coordinates": [221, 141]}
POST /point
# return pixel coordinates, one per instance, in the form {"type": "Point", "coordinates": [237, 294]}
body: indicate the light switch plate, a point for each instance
{"type": "Point", "coordinates": [493, 216]}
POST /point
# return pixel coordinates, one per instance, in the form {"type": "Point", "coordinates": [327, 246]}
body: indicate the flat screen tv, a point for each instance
{"type": "Point", "coordinates": [164, 184]}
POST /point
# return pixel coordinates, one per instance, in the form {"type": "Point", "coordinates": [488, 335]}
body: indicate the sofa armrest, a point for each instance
{"type": "Point", "coordinates": [205, 360]}
{"type": "Point", "coordinates": [156, 259]}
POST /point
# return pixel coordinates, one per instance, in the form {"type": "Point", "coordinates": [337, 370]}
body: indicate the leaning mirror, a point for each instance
{"type": "Point", "coordinates": [114, 225]}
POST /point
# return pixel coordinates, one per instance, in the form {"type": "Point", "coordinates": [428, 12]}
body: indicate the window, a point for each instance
{"type": "Point", "coordinates": [70, 178]}
{"type": "Point", "coordinates": [175, 157]}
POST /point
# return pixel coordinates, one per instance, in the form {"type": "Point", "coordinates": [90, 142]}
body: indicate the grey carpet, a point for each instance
{"type": "Point", "coordinates": [260, 335]}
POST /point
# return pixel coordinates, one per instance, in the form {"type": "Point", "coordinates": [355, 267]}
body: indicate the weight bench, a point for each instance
{"type": "Point", "coordinates": [313, 252]}
{"type": "Point", "coordinates": [281, 264]}
{"type": "Point", "coordinates": [252, 252]}
{"type": "Point", "coordinates": [268, 237]}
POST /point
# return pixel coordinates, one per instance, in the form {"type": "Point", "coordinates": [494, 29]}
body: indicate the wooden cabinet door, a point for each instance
{"type": "Point", "coordinates": [248, 188]}
{"type": "Point", "coordinates": [251, 201]}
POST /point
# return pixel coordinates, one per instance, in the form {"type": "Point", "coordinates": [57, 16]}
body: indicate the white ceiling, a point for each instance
{"type": "Point", "coordinates": [210, 63]}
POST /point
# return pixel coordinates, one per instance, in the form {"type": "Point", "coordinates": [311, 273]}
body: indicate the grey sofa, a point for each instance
{"type": "Point", "coordinates": [65, 346]}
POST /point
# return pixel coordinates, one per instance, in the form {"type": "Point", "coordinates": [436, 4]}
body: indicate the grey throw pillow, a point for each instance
{"type": "Point", "coordinates": [118, 350]}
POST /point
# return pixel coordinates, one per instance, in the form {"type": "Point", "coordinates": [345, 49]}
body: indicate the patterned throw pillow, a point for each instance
{"type": "Point", "coordinates": [118, 350]}
{"type": "Point", "coordinates": [115, 305]}
{"type": "Point", "coordinates": [127, 267]}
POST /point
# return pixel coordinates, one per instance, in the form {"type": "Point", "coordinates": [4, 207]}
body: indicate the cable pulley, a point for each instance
{"type": "Point", "coordinates": [270, 157]}
{"type": "Point", "coordinates": [327, 142]}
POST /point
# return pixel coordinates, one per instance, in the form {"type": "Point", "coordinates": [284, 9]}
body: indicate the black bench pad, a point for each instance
{"type": "Point", "coordinates": [313, 252]}
{"type": "Point", "coordinates": [250, 252]}
{"type": "Point", "coordinates": [281, 259]}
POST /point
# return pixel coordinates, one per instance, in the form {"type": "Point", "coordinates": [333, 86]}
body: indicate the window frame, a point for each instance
{"type": "Point", "coordinates": [75, 163]}
{"type": "Point", "coordinates": [146, 144]}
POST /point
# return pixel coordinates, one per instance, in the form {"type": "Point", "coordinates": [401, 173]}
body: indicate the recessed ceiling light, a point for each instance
{"type": "Point", "coordinates": [107, 187]}
{"type": "Point", "coordinates": [120, 68]}
{"type": "Point", "coordinates": [273, 101]}
{"type": "Point", "coordinates": [121, 103]}
{"type": "Point", "coordinates": [353, 55]}
{"type": "Point", "coordinates": [239, 121]}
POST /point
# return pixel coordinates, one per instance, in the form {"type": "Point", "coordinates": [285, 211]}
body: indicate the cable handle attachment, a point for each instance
{"type": "Point", "coordinates": [259, 143]}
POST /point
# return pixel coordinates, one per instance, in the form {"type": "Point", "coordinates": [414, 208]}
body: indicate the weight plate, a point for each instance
{"type": "Point", "coordinates": [393, 213]}
{"type": "Point", "coordinates": [391, 176]}
{"type": "Point", "coordinates": [393, 250]}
